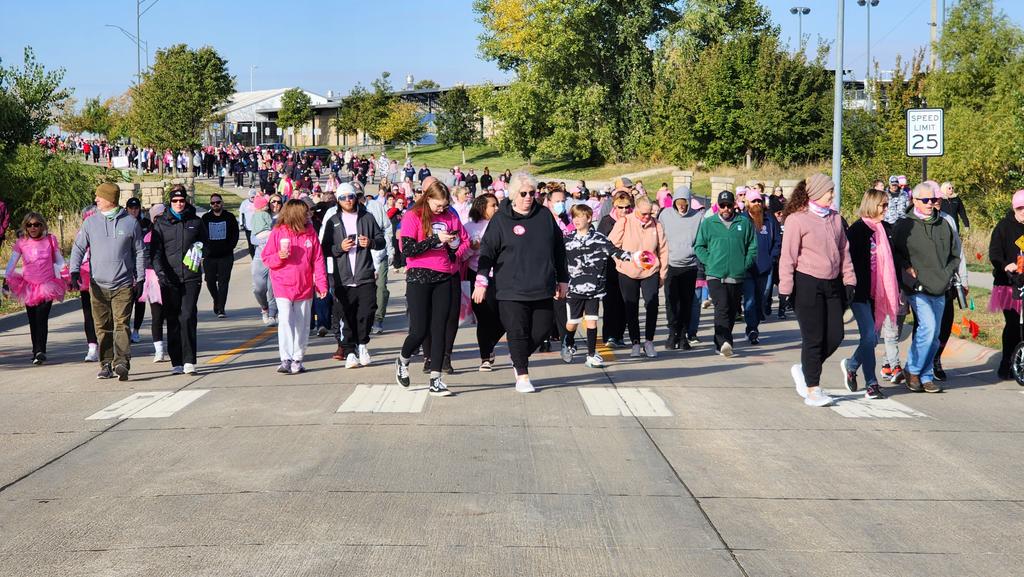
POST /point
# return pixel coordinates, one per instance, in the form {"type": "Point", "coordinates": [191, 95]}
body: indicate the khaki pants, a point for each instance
{"type": "Point", "coordinates": [111, 311]}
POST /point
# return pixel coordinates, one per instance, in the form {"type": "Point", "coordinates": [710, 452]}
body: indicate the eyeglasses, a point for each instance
{"type": "Point", "coordinates": [623, 206]}
{"type": "Point", "coordinates": [177, 201]}
{"type": "Point", "coordinates": [275, 202]}
{"type": "Point", "coordinates": [526, 193]}
{"type": "Point", "coordinates": [34, 225]}
{"type": "Point", "coordinates": [345, 197]}
{"type": "Point", "coordinates": [215, 203]}
{"type": "Point", "coordinates": [726, 205]}
{"type": "Point", "coordinates": [755, 201]}
{"type": "Point", "coordinates": [884, 205]}
{"type": "Point", "coordinates": [931, 200]}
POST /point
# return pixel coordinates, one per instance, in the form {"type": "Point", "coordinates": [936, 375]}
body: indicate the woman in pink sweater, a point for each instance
{"type": "Point", "coordinates": [296, 264]}
{"type": "Point", "coordinates": [433, 243]}
{"type": "Point", "coordinates": [815, 271]}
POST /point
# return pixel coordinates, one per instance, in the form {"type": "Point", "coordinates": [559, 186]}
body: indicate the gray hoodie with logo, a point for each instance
{"type": "Point", "coordinates": [117, 254]}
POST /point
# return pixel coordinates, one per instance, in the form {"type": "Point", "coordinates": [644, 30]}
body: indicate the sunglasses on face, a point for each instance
{"type": "Point", "coordinates": [215, 203]}
{"type": "Point", "coordinates": [726, 205]}
{"type": "Point", "coordinates": [931, 200]}
{"type": "Point", "coordinates": [623, 207]}
{"type": "Point", "coordinates": [34, 225]}
{"type": "Point", "coordinates": [275, 202]}
{"type": "Point", "coordinates": [756, 202]}
{"type": "Point", "coordinates": [177, 201]}
{"type": "Point", "coordinates": [345, 197]}
{"type": "Point", "coordinates": [884, 205]}
{"type": "Point", "coordinates": [526, 193]}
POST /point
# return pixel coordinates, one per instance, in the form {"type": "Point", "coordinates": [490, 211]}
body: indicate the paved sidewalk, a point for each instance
{"type": "Point", "coordinates": [687, 464]}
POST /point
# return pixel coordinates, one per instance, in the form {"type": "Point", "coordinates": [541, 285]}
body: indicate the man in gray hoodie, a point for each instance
{"type": "Point", "coordinates": [117, 267]}
{"type": "Point", "coordinates": [680, 223]}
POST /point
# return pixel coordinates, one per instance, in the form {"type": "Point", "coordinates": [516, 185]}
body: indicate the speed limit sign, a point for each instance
{"type": "Point", "coordinates": [925, 132]}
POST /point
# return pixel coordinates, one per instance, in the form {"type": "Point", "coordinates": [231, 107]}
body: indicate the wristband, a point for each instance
{"type": "Point", "coordinates": [481, 281]}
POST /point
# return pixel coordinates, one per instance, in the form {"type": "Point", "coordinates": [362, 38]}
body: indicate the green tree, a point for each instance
{"type": "Point", "coordinates": [402, 124]}
{"type": "Point", "coordinates": [458, 120]}
{"type": "Point", "coordinates": [425, 84]}
{"type": "Point", "coordinates": [30, 99]}
{"type": "Point", "coordinates": [296, 109]}
{"type": "Point", "coordinates": [179, 97]}
{"type": "Point", "coordinates": [350, 112]}
{"type": "Point", "coordinates": [521, 115]}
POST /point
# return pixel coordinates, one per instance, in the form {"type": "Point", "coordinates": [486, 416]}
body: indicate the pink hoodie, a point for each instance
{"type": "Point", "coordinates": [295, 277]}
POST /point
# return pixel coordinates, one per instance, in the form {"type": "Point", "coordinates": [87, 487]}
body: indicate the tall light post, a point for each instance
{"type": "Point", "coordinates": [867, 74]}
{"type": "Point", "coordinates": [138, 42]}
{"type": "Point", "coordinates": [252, 68]}
{"type": "Point", "coordinates": [837, 111]}
{"type": "Point", "coordinates": [800, 12]}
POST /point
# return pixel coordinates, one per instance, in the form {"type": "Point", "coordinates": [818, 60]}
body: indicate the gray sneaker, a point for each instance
{"type": "Point", "coordinates": [567, 353]}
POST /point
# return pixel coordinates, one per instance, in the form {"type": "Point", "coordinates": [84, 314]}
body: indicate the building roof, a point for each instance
{"type": "Point", "coordinates": [261, 101]}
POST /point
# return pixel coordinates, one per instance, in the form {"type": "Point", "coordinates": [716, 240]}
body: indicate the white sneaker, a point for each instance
{"type": "Point", "coordinates": [177, 370]}
{"type": "Point", "coordinates": [158, 352]}
{"type": "Point", "coordinates": [272, 322]}
{"type": "Point", "coordinates": [524, 385]}
{"type": "Point", "coordinates": [595, 362]}
{"type": "Point", "coordinates": [817, 397]}
{"type": "Point", "coordinates": [726, 350]}
{"type": "Point", "coordinates": [797, 371]}
{"type": "Point", "coordinates": [135, 338]}
{"type": "Point", "coordinates": [364, 356]}
{"type": "Point", "coordinates": [297, 367]}
{"type": "Point", "coordinates": [649, 350]}
{"type": "Point", "coordinates": [190, 369]}
{"type": "Point", "coordinates": [93, 355]}
{"type": "Point", "coordinates": [351, 361]}
{"type": "Point", "coordinates": [636, 353]}
{"type": "Point", "coordinates": [266, 318]}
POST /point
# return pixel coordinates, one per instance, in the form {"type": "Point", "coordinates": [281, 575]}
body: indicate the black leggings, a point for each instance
{"type": "Point", "coordinates": [138, 315]}
{"type": "Point", "coordinates": [489, 329]}
{"type": "Point", "coordinates": [631, 292]}
{"type": "Point", "coordinates": [38, 325]}
{"type": "Point", "coordinates": [528, 324]}
{"type": "Point", "coordinates": [819, 312]}
{"type": "Point", "coordinates": [428, 306]}
{"type": "Point", "coordinates": [614, 314]}
{"type": "Point", "coordinates": [156, 311]}
{"type": "Point", "coordinates": [1011, 338]}
{"type": "Point", "coordinates": [451, 327]}
{"type": "Point", "coordinates": [89, 325]}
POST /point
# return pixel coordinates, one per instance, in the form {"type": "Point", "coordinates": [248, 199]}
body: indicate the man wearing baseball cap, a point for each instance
{"type": "Point", "coordinates": [727, 246]}
{"type": "Point", "coordinates": [899, 201]}
{"type": "Point", "coordinates": [114, 239]}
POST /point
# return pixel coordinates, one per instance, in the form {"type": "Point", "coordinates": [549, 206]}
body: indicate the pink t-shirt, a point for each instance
{"type": "Point", "coordinates": [437, 257]}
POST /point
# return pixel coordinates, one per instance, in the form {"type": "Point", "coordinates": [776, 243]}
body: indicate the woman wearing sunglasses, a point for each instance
{"type": "Point", "coordinates": [39, 283]}
{"type": "Point", "coordinates": [613, 328]}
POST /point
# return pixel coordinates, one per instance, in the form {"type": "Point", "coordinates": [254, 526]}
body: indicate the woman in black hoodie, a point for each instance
{"type": "Point", "coordinates": [1004, 252]}
{"type": "Point", "coordinates": [174, 233]}
{"type": "Point", "coordinates": [523, 246]}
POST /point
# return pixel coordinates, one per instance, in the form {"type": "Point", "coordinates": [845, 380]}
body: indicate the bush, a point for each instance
{"type": "Point", "coordinates": [33, 179]}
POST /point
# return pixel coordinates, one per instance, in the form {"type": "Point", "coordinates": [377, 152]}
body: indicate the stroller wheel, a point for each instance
{"type": "Point", "coordinates": [1017, 364]}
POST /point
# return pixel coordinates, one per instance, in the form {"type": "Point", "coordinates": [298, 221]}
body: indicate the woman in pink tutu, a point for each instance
{"type": "Point", "coordinates": [39, 283]}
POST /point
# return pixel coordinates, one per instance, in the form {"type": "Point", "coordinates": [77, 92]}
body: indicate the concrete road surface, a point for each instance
{"type": "Point", "coordinates": [684, 465]}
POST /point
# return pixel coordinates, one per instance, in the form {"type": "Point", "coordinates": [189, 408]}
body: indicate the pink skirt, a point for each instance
{"type": "Point", "coordinates": [32, 294]}
{"type": "Point", "coordinates": [1002, 300]}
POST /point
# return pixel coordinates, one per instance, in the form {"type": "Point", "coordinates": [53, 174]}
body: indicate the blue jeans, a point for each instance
{"type": "Point", "coordinates": [864, 356]}
{"type": "Point", "coordinates": [321, 315]}
{"type": "Point", "coordinates": [755, 294]}
{"type": "Point", "coordinates": [261, 287]}
{"type": "Point", "coordinates": [928, 312]}
{"type": "Point", "coordinates": [699, 296]}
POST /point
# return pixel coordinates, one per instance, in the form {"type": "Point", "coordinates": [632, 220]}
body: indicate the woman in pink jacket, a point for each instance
{"type": "Point", "coordinates": [296, 264]}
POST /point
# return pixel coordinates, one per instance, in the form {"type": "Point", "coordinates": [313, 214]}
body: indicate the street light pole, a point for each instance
{"type": "Point", "coordinates": [867, 74]}
{"type": "Point", "coordinates": [800, 12]}
{"type": "Point", "coordinates": [837, 112]}
{"type": "Point", "coordinates": [252, 68]}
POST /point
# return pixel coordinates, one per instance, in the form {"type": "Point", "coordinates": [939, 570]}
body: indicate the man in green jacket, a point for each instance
{"type": "Point", "coordinates": [727, 246]}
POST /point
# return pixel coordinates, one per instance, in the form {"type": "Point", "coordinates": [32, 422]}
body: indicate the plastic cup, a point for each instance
{"type": "Point", "coordinates": [286, 245]}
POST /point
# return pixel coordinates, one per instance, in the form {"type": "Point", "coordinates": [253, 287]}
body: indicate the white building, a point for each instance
{"type": "Point", "coordinates": [249, 117]}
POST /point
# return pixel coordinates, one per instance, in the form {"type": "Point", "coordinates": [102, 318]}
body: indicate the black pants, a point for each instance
{"type": "Point", "coordinates": [90, 326]}
{"type": "Point", "coordinates": [138, 315]}
{"type": "Point", "coordinates": [179, 308]}
{"type": "Point", "coordinates": [218, 275]}
{"type": "Point", "coordinates": [1011, 338]}
{"type": "Point", "coordinates": [561, 317]}
{"type": "Point", "coordinates": [946, 326]}
{"type": "Point", "coordinates": [632, 290]}
{"type": "Point", "coordinates": [38, 325]}
{"type": "Point", "coordinates": [451, 327]}
{"type": "Point", "coordinates": [614, 312]}
{"type": "Point", "coordinates": [819, 312]}
{"type": "Point", "coordinates": [156, 322]}
{"type": "Point", "coordinates": [680, 284]}
{"type": "Point", "coordinates": [248, 241]}
{"type": "Point", "coordinates": [528, 324]}
{"type": "Point", "coordinates": [428, 307]}
{"type": "Point", "coordinates": [489, 329]}
{"type": "Point", "coordinates": [354, 306]}
{"type": "Point", "coordinates": [726, 298]}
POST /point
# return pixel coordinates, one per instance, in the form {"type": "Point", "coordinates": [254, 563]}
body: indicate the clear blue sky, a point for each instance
{"type": "Point", "coordinates": [332, 45]}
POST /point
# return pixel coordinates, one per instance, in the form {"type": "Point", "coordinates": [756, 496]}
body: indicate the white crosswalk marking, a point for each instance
{"type": "Point", "coordinates": [384, 399]}
{"type": "Point", "coordinates": [857, 407]}
{"type": "Point", "coordinates": [150, 405]}
{"type": "Point", "coordinates": [623, 402]}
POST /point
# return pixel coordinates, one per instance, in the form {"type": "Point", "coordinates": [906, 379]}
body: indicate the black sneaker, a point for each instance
{"type": "Point", "coordinates": [39, 359]}
{"type": "Point", "coordinates": [446, 365]}
{"type": "Point", "coordinates": [940, 375]}
{"type": "Point", "coordinates": [545, 347]}
{"type": "Point", "coordinates": [401, 373]}
{"type": "Point", "coordinates": [439, 389]}
{"type": "Point", "coordinates": [426, 365]}
{"type": "Point", "coordinates": [105, 373]}
{"type": "Point", "coordinates": [685, 344]}
{"type": "Point", "coordinates": [849, 377]}
{"type": "Point", "coordinates": [121, 370]}
{"type": "Point", "coordinates": [753, 338]}
{"type": "Point", "coordinates": [873, 392]}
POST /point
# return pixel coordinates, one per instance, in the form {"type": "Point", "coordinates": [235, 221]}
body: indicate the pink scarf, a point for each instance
{"type": "Point", "coordinates": [884, 288]}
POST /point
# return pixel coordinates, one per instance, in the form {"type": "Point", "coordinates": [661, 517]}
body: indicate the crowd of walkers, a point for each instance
{"type": "Point", "coordinates": [529, 261]}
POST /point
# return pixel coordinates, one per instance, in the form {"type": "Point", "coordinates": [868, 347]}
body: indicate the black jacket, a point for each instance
{"type": "Point", "coordinates": [221, 234]}
{"type": "Point", "coordinates": [859, 236]}
{"type": "Point", "coordinates": [334, 233]}
{"type": "Point", "coordinates": [172, 237]}
{"type": "Point", "coordinates": [526, 252]}
{"type": "Point", "coordinates": [954, 206]}
{"type": "Point", "coordinates": [1002, 249]}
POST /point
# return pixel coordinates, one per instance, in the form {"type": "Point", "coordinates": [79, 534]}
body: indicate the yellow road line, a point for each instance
{"type": "Point", "coordinates": [243, 347]}
{"type": "Point", "coordinates": [605, 352]}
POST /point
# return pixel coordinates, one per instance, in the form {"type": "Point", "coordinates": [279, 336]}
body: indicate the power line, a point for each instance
{"type": "Point", "coordinates": [899, 24]}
